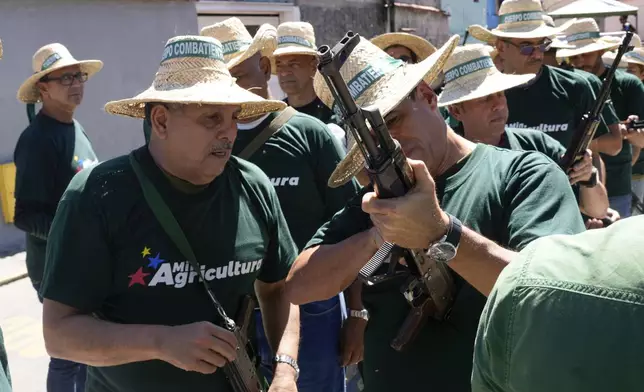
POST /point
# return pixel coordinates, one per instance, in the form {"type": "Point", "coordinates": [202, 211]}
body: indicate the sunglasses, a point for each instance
{"type": "Point", "coordinates": [68, 78]}
{"type": "Point", "coordinates": [528, 49]}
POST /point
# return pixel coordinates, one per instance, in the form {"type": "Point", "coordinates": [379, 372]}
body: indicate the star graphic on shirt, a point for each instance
{"type": "Point", "coordinates": [145, 252]}
{"type": "Point", "coordinates": [137, 278]}
{"type": "Point", "coordinates": [155, 261]}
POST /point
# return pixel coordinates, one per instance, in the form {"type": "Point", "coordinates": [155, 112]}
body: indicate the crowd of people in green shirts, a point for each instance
{"type": "Point", "coordinates": [234, 195]}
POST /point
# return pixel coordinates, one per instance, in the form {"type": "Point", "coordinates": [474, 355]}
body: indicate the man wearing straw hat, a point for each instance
{"type": "Point", "coordinates": [150, 253]}
{"type": "Point", "coordinates": [299, 157]}
{"type": "Point", "coordinates": [503, 198]}
{"type": "Point", "coordinates": [627, 95]}
{"type": "Point", "coordinates": [478, 101]}
{"type": "Point", "coordinates": [635, 66]}
{"type": "Point", "coordinates": [295, 63]}
{"type": "Point", "coordinates": [49, 152]}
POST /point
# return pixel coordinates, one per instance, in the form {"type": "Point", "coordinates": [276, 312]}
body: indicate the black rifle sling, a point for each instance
{"type": "Point", "coordinates": [277, 123]}
{"type": "Point", "coordinates": [173, 230]}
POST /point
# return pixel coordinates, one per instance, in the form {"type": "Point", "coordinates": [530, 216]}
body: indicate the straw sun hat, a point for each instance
{"type": "Point", "coordinates": [375, 78]}
{"type": "Point", "coordinates": [518, 19]}
{"type": "Point", "coordinates": [636, 56]}
{"type": "Point", "coordinates": [192, 70]}
{"type": "Point", "coordinates": [294, 38]}
{"type": "Point", "coordinates": [470, 74]}
{"type": "Point", "coordinates": [238, 45]}
{"type": "Point", "coordinates": [584, 36]}
{"type": "Point", "coordinates": [48, 59]}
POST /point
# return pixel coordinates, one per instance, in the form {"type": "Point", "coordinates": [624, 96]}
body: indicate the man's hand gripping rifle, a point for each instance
{"type": "Point", "coordinates": [429, 287]}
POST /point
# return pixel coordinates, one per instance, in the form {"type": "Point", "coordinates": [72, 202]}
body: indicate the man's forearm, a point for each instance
{"type": "Point", "coordinates": [610, 143]}
{"type": "Point", "coordinates": [85, 339]}
{"type": "Point", "coordinates": [33, 219]}
{"type": "Point", "coordinates": [321, 272]}
{"type": "Point", "coordinates": [593, 201]}
{"type": "Point", "coordinates": [636, 154]}
{"type": "Point", "coordinates": [353, 295]}
{"type": "Point", "coordinates": [479, 260]}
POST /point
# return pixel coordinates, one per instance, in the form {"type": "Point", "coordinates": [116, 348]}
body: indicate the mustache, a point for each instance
{"type": "Point", "coordinates": [223, 146]}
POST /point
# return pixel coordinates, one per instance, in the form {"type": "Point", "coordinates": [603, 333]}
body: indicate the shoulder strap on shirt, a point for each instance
{"type": "Point", "coordinates": [277, 123]}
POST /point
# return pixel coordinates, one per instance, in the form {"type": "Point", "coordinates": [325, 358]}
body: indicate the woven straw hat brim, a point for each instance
{"type": "Point", "coordinates": [591, 47]}
{"type": "Point", "coordinates": [420, 46]}
{"type": "Point", "coordinates": [484, 84]}
{"type": "Point", "coordinates": [290, 50]}
{"type": "Point", "coordinates": [520, 31]}
{"type": "Point", "coordinates": [213, 93]}
{"type": "Point", "coordinates": [264, 41]}
{"type": "Point", "coordinates": [633, 60]}
{"type": "Point", "coordinates": [388, 93]}
{"type": "Point", "coordinates": [28, 93]}
{"type": "Point", "coordinates": [609, 57]}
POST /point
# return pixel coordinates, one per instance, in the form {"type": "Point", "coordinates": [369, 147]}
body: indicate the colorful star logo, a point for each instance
{"type": "Point", "coordinates": [146, 251]}
{"type": "Point", "coordinates": [155, 261]}
{"type": "Point", "coordinates": [137, 278]}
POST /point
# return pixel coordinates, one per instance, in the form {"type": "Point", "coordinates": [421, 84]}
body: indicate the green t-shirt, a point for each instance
{"type": "Point", "coordinates": [505, 195]}
{"type": "Point", "coordinates": [566, 315]}
{"type": "Point", "coordinates": [627, 94]}
{"type": "Point", "coordinates": [554, 103]}
{"type": "Point", "coordinates": [299, 160]}
{"type": "Point", "coordinates": [5, 376]}
{"type": "Point", "coordinates": [109, 256]}
{"type": "Point", "coordinates": [48, 154]}
{"type": "Point", "coordinates": [316, 109]}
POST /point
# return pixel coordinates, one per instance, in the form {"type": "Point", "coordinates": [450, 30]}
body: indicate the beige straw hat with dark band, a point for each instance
{"type": "Point", "coordinates": [470, 74]}
{"type": "Point", "coordinates": [636, 56]}
{"type": "Point", "coordinates": [238, 44]}
{"type": "Point", "coordinates": [192, 71]}
{"type": "Point", "coordinates": [48, 59]}
{"type": "Point", "coordinates": [518, 19]}
{"type": "Point", "coordinates": [585, 37]}
{"type": "Point", "coordinates": [294, 38]}
{"type": "Point", "coordinates": [376, 79]}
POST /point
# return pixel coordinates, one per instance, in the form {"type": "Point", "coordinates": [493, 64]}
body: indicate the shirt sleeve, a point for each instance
{"type": "Point", "coordinates": [540, 202]}
{"type": "Point", "coordinates": [328, 156]}
{"type": "Point", "coordinates": [281, 251]}
{"type": "Point", "coordinates": [35, 159]}
{"type": "Point", "coordinates": [635, 94]}
{"type": "Point", "coordinates": [553, 148]}
{"type": "Point", "coordinates": [347, 222]}
{"type": "Point", "coordinates": [78, 270]}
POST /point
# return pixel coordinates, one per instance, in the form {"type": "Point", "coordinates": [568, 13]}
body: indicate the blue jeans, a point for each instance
{"type": "Point", "coordinates": [63, 375]}
{"type": "Point", "coordinates": [621, 204]}
{"type": "Point", "coordinates": [319, 356]}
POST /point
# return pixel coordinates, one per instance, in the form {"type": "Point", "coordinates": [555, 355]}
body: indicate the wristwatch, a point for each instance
{"type": "Point", "coordinates": [592, 181]}
{"type": "Point", "coordinates": [445, 248]}
{"type": "Point", "coordinates": [287, 359]}
{"type": "Point", "coordinates": [363, 314]}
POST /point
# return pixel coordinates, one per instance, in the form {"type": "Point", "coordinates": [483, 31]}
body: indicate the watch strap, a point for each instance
{"type": "Point", "coordinates": [453, 235]}
{"type": "Point", "coordinates": [287, 359]}
{"type": "Point", "coordinates": [362, 314]}
{"type": "Point", "coordinates": [592, 181]}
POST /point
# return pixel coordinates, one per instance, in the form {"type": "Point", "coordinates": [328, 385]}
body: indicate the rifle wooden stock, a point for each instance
{"type": "Point", "coordinates": [241, 372]}
{"type": "Point", "coordinates": [392, 176]}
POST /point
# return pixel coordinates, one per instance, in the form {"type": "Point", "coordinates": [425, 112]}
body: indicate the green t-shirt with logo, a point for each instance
{"type": "Point", "coordinates": [627, 94]}
{"type": "Point", "coordinates": [109, 256]}
{"type": "Point", "coordinates": [299, 159]}
{"type": "Point", "coordinates": [5, 376]}
{"type": "Point", "coordinates": [505, 195]}
{"type": "Point", "coordinates": [554, 103]}
{"type": "Point", "coordinates": [48, 154]}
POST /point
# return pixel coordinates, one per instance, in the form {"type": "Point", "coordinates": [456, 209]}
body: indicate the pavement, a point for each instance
{"type": "Point", "coordinates": [21, 323]}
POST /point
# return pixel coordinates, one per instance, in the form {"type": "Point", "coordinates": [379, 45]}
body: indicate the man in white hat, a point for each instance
{"type": "Point", "coordinates": [50, 151]}
{"type": "Point", "coordinates": [478, 101]}
{"type": "Point", "coordinates": [295, 63]}
{"type": "Point", "coordinates": [521, 39]}
{"type": "Point", "coordinates": [152, 252]}
{"type": "Point", "coordinates": [627, 95]}
{"type": "Point", "coordinates": [503, 198]}
{"type": "Point", "coordinates": [299, 155]}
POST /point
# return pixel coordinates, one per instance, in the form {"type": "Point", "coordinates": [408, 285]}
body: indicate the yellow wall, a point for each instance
{"type": "Point", "coordinates": [7, 186]}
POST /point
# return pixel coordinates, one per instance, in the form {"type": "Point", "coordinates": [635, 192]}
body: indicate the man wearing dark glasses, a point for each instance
{"type": "Point", "coordinates": [49, 152]}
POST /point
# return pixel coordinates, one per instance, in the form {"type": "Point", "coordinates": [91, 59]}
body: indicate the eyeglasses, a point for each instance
{"type": "Point", "coordinates": [68, 78]}
{"type": "Point", "coordinates": [528, 49]}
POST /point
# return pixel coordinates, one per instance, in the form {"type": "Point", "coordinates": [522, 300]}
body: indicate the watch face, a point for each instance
{"type": "Point", "coordinates": [442, 252]}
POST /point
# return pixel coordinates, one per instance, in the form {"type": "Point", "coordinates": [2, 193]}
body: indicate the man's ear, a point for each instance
{"type": "Point", "coordinates": [159, 121]}
{"type": "Point", "coordinates": [423, 91]}
{"type": "Point", "coordinates": [455, 111]}
{"type": "Point", "coordinates": [265, 66]}
{"type": "Point", "coordinates": [42, 88]}
{"type": "Point", "coordinates": [499, 45]}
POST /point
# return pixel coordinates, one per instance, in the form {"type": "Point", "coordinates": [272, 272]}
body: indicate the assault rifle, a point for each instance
{"type": "Point", "coordinates": [585, 132]}
{"type": "Point", "coordinates": [429, 287]}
